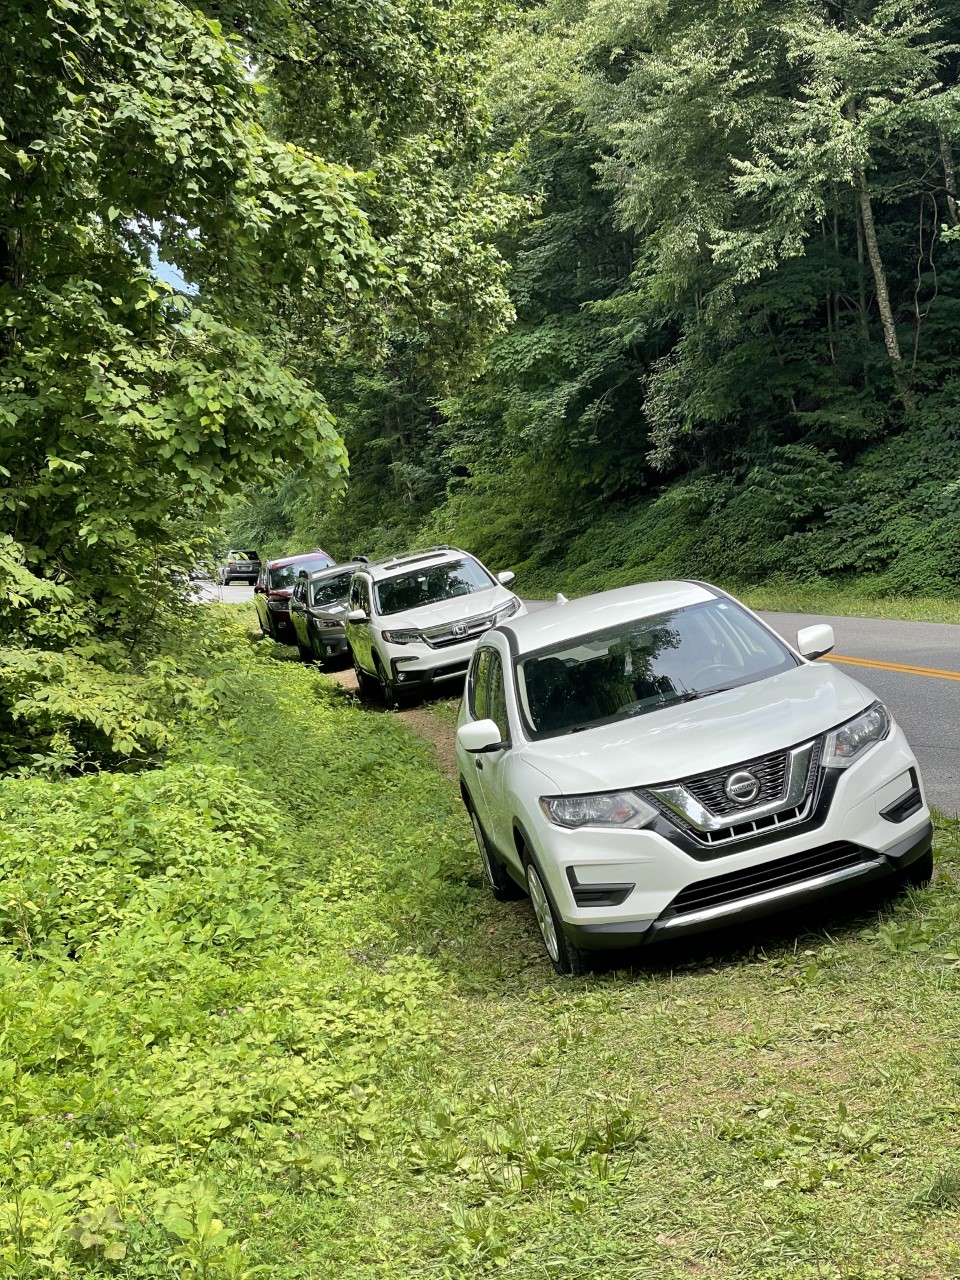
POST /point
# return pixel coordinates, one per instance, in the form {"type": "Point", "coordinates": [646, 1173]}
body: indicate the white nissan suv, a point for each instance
{"type": "Point", "coordinates": [415, 619]}
{"type": "Point", "coordinates": [656, 761]}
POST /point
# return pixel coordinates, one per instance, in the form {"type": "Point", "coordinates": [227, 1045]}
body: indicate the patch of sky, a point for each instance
{"type": "Point", "coordinates": [170, 274]}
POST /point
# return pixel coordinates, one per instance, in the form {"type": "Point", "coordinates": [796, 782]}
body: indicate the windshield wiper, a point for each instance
{"type": "Point", "coordinates": [687, 696]}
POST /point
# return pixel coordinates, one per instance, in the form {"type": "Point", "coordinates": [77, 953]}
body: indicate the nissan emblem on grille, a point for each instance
{"type": "Point", "coordinates": [742, 787]}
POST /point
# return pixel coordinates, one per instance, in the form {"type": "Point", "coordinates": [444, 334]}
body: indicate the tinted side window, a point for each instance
{"type": "Point", "coordinates": [496, 697]}
{"type": "Point", "coordinates": [365, 595]}
{"type": "Point", "coordinates": [480, 683]}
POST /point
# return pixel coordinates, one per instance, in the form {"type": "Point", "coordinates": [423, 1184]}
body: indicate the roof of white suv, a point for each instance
{"type": "Point", "coordinates": [427, 555]}
{"type": "Point", "coordinates": [562, 622]}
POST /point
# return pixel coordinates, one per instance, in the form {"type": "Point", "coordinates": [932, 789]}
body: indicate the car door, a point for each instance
{"type": "Point", "coordinates": [260, 597]}
{"type": "Point", "coordinates": [358, 633]}
{"type": "Point", "coordinates": [478, 680]}
{"type": "Point", "coordinates": [498, 813]}
{"type": "Point", "coordinates": [298, 612]}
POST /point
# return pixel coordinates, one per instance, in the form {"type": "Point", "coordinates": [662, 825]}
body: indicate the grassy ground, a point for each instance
{"type": "Point", "coordinates": [849, 602]}
{"type": "Point", "coordinates": [360, 1065]}
{"type": "Point", "coordinates": [824, 599]}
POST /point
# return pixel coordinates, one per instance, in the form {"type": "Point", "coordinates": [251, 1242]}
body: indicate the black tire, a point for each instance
{"type": "Point", "coordinates": [388, 690]}
{"type": "Point", "coordinates": [367, 687]}
{"type": "Point", "coordinates": [306, 652]}
{"type": "Point", "coordinates": [495, 875]}
{"type": "Point", "coordinates": [919, 874]}
{"type": "Point", "coordinates": [566, 958]}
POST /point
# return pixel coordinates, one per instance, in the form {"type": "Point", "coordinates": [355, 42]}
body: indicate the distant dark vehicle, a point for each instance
{"type": "Point", "coordinates": [318, 607]}
{"type": "Point", "coordinates": [274, 587]}
{"type": "Point", "coordinates": [239, 566]}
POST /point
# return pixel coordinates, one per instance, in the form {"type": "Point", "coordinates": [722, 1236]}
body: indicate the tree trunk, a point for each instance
{"type": "Point", "coordinates": [949, 178]}
{"type": "Point", "coordinates": [883, 293]}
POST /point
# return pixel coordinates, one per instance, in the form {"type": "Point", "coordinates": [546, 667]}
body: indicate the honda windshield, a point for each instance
{"type": "Point", "coordinates": [431, 584]}
{"type": "Point", "coordinates": [645, 665]}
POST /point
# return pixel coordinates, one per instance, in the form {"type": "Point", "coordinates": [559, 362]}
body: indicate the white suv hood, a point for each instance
{"type": "Point", "coordinates": [696, 737]}
{"type": "Point", "coordinates": [456, 609]}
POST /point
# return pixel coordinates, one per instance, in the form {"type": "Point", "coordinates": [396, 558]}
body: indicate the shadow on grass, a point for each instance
{"type": "Point", "coordinates": [479, 957]}
{"type": "Point", "coordinates": [837, 919]}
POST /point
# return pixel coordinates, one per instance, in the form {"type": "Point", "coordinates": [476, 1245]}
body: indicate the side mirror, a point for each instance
{"type": "Point", "coordinates": [357, 615]}
{"type": "Point", "coordinates": [258, 588]}
{"type": "Point", "coordinates": [506, 577]}
{"type": "Point", "coordinates": [480, 736]}
{"type": "Point", "coordinates": [814, 642]}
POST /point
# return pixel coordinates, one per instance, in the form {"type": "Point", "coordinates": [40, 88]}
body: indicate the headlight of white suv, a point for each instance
{"type": "Point", "coordinates": [851, 740]}
{"type": "Point", "coordinates": [402, 637]}
{"type": "Point", "coordinates": [505, 611]}
{"type": "Point", "coordinates": [608, 809]}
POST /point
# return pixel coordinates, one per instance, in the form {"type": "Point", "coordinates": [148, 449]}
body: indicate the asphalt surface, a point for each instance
{"type": "Point", "coordinates": [926, 704]}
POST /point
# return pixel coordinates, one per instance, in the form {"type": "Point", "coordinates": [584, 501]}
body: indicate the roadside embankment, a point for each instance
{"type": "Point", "coordinates": [259, 1012]}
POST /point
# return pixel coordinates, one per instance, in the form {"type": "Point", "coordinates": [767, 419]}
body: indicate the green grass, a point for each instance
{"type": "Point", "coordinates": [446, 710]}
{"type": "Point", "coordinates": [319, 1031]}
{"type": "Point", "coordinates": [827, 600]}
{"type": "Point", "coordinates": [822, 599]}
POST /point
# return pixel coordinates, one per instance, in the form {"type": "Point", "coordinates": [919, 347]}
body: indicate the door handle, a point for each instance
{"type": "Point", "coordinates": [479, 764]}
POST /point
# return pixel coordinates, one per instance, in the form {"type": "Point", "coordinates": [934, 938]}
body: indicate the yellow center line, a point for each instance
{"type": "Point", "coordinates": [934, 672]}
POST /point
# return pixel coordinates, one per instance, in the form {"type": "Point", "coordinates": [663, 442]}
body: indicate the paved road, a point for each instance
{"type": "Point", "coordinates": [926, 705]}
{"type": "Point", "coordinates": [234, 593]}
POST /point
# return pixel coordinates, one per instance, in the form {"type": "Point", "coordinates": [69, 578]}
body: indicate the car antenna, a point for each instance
{"type": "Point", "coordinates": [561, 598]}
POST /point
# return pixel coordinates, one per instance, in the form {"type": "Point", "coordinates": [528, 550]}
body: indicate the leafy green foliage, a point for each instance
{"type": "Point", "coordinates": [260, 1018]}
{"type": "Point", "coordinates": [736, 294]}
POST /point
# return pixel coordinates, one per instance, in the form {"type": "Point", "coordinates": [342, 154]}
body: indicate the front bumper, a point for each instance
{"type": "Point", "coordinates": [332, 644]}
{"type": "Point", "coordinates": [434, 666]}
{"type": "Point", "coordinates": [852, 865]}
{"type": "Point", "coordinates": [616, 888]}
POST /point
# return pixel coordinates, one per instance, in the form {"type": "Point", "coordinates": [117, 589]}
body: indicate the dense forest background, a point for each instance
{"type": "Point", "coordinates": [599, 291]}
{"type": "Point", "coordinates": [736, 280]}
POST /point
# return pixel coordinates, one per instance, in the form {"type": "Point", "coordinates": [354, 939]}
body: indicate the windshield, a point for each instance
{"type": "Point", "coordinates": [430, 584]}
{"type": "Point", "coordinates": [330, 590]}
{"type": "Point", "coordinates": [645, 665]}
{"type": "Point", "coordinates": [286, 575]}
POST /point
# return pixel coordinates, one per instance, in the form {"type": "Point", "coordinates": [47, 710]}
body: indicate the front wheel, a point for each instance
{"type": "Point", "coordinates": [495, 875]}
{"type": "Point", "coordinates": [305, 652]}
{"type": "Point", "coordinates": [566, 958]}
{"type": "Point", "coordinates": [919, 874]}
{"type": "Point", "coordinates": [388, 690]}
{"type": "Point", "coordinates": [366, 685]}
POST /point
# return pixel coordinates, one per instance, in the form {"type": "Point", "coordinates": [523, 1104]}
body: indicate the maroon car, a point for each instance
{"type": "Point", "coordinates": [275, 586]}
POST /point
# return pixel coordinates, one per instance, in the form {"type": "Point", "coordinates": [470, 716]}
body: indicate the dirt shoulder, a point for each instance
{"type": "Point", "coordinates": [420, 719]}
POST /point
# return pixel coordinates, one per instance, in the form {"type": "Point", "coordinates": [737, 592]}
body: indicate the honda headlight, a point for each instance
{"type": "Point", "coordinates": [851, 740]}
{"type": "Point", "coordinates": [505, 611]}
{"type": "Point", "coordinates": [608, 809]}
{"type": "Point", "coordinates": [402, 637]}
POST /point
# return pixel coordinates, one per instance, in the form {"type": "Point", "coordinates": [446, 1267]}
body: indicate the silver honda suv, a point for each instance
{"type": "Point", "coordinates": [415, 619]}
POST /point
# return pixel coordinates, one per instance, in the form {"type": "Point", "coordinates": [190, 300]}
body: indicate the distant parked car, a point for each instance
{"type": "Point", "coordinates": [415, 619]}
{"type": "Point", "coordinates": [655, 761]}
{"type": "Point", "coordinates": [318, 609]}
{"type": "Point", "coordinates": [239, 566]}
{"type": "Point", "coordinates": [274, 587]}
